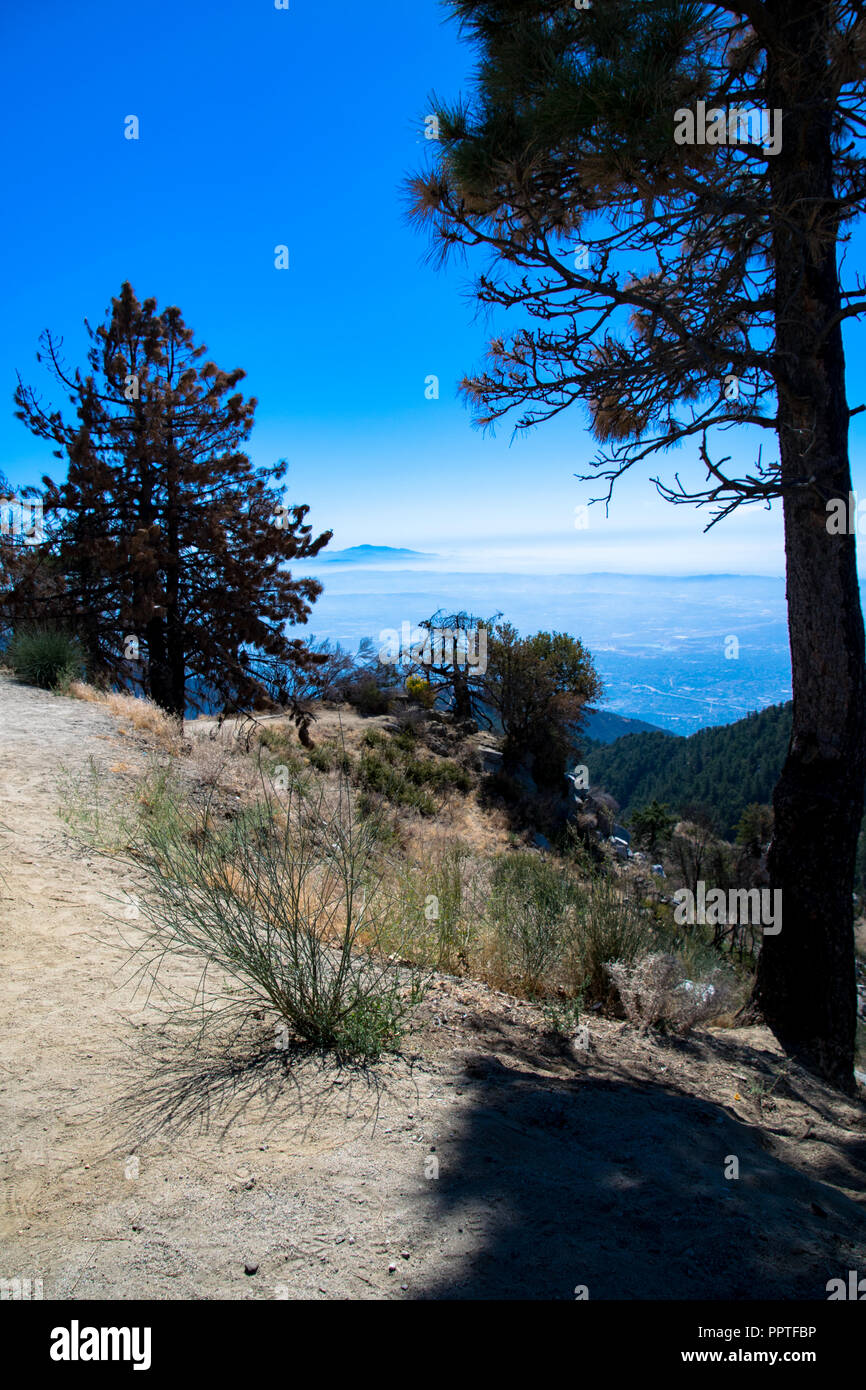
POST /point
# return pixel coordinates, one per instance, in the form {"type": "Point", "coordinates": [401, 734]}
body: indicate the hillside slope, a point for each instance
{"type": "Point", "coordinates": [137, 1164]}
{"type": "Point", "coordinates": [725, 768]}
{"type": "Point", "coordinates": [603, 726]}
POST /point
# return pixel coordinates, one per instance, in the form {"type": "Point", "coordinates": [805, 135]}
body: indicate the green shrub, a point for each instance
{"type": "Point", "coordinates": [321, 759]}
{"type": "Point", "coordinates": [554, 931]}
{"type": "Point", "coordinates": [609, 927]}
{"type": "Point", "coordinates": [282, 742]}
{"type": "Point", "coordinates": [390, 767]}
{"type": "Point", "coordinates": [446, 896]}
{"type": "Point", "coordinates": [531, 901]}
{"type": "Point", "coordinates": [368, 699]}
{"type": "Point", "coordinates": [441, 775]}
{"type": "Point", "coordinates": [531, 878]}
{"type": "Point", "coordinates": [407, 739]}
{"type": "Point", "coordinates": [421, 692]}
{"type": "Point", "coordinates": [324, 757]}
{"type": "Point", "coordinates": [45, 657]}
{"type": "Point", "coordinates": [293, 906]}
{"type": "Point", "coordinates": [562, 1016]}
{"type": "Point", "coordinates": [370, 810]}
{"type": "Point", "coordinates": [377, 775]}
{"type": "Point", "coordinates": [418, 800]}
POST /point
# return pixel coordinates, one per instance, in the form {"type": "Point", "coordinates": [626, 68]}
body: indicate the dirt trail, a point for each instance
{"type": "Point", "coordinates": [134, 1166]}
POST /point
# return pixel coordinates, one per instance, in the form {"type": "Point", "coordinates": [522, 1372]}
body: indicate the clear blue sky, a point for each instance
{"type": "Point", "coordinates": [259, 127]}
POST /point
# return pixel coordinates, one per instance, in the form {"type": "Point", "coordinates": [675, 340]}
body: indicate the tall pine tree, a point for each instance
{"type": "Point", "coordinates": [171, 545]}
{"type": "Point", "coordinates": [663, 187]}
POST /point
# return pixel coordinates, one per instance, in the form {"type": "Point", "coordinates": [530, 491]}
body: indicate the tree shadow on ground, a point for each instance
{"type": "Point", "coordinates": [618, 1186]}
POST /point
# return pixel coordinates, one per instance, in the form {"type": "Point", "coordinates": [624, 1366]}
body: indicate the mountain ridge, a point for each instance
{"type": "Point", "coordinates": [725, 767]}
{"type": "Point", "coordinates": [375, 552]}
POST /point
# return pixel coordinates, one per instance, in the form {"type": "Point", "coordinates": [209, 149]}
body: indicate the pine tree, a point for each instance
{"type": "Point", "coordinates": [172, 547]}
{"type": "Point", "coordinates": [676, 290]}
{"type": "Point", "coordinates": [652, 824]}
{"type": "Point", "coordinates": [455, 665]}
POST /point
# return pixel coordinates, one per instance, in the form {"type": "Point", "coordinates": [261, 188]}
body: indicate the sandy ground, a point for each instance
{"type": "Point", "coordinates": [491, 1159]}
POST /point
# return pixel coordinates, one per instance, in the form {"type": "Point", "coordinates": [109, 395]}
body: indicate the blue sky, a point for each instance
{"type": "Point", "coordinates": [261, 127]}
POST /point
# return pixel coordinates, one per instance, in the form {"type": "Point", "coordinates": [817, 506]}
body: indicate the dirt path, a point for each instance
{"type": "Point", "coordinates": [134, 1166]}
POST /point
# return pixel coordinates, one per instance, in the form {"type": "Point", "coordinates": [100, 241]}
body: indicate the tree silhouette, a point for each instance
{"type": "Point", "coordinates": [678, 290]}
{"type": "Point", "coordinates": [455, 661]}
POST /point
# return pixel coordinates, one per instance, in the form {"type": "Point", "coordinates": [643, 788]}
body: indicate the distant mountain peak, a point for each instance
{"type": "Point", "coordinates": [376, 552]}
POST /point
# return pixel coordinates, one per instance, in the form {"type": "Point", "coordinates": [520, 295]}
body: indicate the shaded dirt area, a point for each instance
{"type": "Point", "coordinates": [492, 1159]}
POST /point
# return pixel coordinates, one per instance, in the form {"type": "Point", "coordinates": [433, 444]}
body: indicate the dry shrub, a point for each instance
{"type": "Point", "coordinates": [291, 902]}
{"type": "Point", "coordinates": [531, 905]}
{"type": "Point", "coordinates": [445, 894]}
{"type": "Point", "coordinates": [218, 763]}
{"type": "Point", "coordinates": [655, 992]}
{"type": "Point", "coordinates": [144, 716]}
{"type": "Point", "coordinates": [608, 926]}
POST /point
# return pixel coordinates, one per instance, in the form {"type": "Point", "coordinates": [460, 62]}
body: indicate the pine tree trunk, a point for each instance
{"type": "Point", "coordinates": [159, 684]}
{"type": "Point", "coordinates": [806, 989]}
{"type": "Point", "coordinates": [462, 698]}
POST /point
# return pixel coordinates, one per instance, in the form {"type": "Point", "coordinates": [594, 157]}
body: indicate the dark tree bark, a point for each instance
{"type": "Point", "coordinates": [462, 696]}
{"type": "Point", "coordinates": [806, 988]}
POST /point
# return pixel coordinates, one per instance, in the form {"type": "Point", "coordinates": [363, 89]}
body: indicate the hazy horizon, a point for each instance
{"type": "Point", "coordinates": [659, 641]}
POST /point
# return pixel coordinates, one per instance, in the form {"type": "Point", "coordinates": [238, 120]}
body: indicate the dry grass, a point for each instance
{"type": "Point", "coordinates": [438, 870]}
{"type": "Point", "coordinates": [484, 831]}
{"type": "Point", "coordinates": [143, 715]}
{"type": "Point", "coordinates": [218, 762]}
{"type": "Point", "coordinates": [654, 990]}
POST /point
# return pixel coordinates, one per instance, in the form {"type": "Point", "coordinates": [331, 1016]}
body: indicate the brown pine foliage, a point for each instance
{"type": "Point", "coordinates": [165, 549]}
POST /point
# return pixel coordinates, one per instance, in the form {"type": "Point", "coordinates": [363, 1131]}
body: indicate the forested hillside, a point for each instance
{"type": "Point", "coordinates": [723, 768]}
{"type": "Point", "coordinates": [603, 726]}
